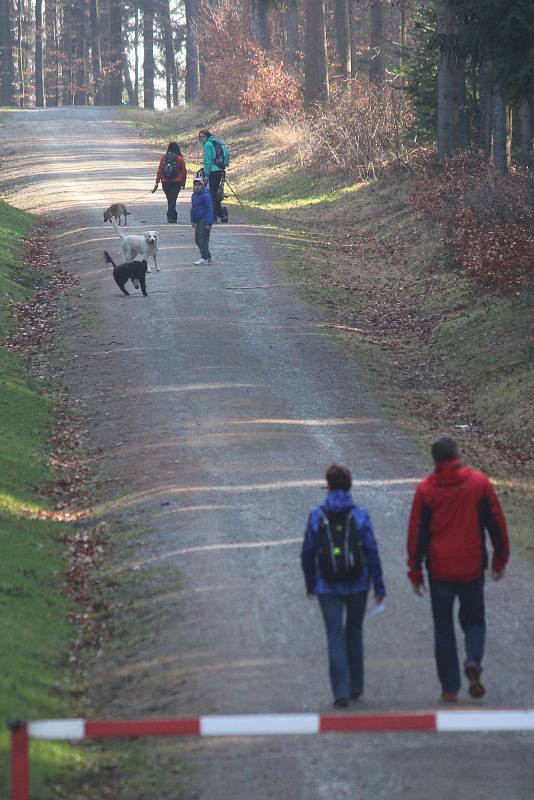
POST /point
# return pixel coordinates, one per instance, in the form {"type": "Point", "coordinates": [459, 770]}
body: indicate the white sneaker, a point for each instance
{"type": "Point", "coordinates": [201, 261]}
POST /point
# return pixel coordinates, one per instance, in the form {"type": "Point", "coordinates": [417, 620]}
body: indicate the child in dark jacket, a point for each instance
{"type": "Point", "coordinates": [202, 219]}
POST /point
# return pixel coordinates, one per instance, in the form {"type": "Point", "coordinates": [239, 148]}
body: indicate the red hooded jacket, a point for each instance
{"type": "Point", "coordinates": [452, 509]}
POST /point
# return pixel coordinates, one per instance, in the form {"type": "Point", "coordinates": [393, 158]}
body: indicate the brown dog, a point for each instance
{"type": "Point", "coordinates": [115, 211]}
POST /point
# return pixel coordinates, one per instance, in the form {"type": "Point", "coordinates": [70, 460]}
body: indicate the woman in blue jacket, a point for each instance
{"type": "Point", "coordinates": [342, 601]}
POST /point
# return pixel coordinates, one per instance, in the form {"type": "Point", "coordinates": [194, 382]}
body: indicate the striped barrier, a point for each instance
{"type": "Point", "coordinates": [251, 725]}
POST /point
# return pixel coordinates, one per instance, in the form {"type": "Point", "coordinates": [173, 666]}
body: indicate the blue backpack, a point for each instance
{"type": "Point", "coordinates": [222, 154]}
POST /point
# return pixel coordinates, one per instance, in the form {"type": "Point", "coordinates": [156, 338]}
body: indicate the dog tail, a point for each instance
{"type": "Point", "coordinates": [109, 260]}
{"type": "Point", "coordinates": [117, 229]}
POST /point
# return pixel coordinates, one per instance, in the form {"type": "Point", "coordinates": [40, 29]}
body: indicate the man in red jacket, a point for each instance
{"type": "Point", "coordinates": [452, 510]}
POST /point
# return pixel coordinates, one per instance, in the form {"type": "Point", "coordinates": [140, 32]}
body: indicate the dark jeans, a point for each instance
{"type": "Point", "coordinates": [202, 238]}
{"type": "Point", "coordinates": [172, 190]}
{"type": "Point", "coordinates": [343, 619]}
{"type": "Point", "coordinates": [472, 621]}
{"type": "Point", "coordinates": [215, 179]}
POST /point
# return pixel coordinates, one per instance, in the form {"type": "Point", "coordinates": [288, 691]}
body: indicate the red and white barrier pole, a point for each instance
{"type": "Point", "coordinates": [284, 724]}
{"type": "Point", "coordinates": [20, 764]}
{"type": "Point", "coordinates": [252, 725]}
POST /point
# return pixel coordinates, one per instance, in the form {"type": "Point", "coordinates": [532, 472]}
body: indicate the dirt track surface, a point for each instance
{"type": "Point", "coordinates": [215, 404]}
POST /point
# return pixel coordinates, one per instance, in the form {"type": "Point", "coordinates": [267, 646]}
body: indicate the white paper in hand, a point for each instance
{"type": "Point", "coordinates": [374, 612]}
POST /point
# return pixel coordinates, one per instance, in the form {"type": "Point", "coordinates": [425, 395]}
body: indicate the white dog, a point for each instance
{"type": "Point", "coordinates": [144, 244]}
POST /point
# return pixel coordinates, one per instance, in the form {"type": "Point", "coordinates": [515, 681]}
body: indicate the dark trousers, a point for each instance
{"type": "Point", "coordinates": [172, 190]}
{"type": "Point", "coordinates": [215, 180]}
{"type": "Point", "coordinates": [472, 621]}
{"type": "Point", "coordinates": [202, 238]}
{"type": "Point", "coordinates": [343, 619]}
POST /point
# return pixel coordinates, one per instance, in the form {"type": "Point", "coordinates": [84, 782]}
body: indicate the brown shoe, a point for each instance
{"type": "Point", "coordinates": [448, 697]}
{"type": "Point", "coordinates": [472, 673]}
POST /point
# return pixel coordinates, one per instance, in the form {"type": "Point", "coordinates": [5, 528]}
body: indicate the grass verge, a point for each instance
{"type": "Point", "coordinates": [35, 634]}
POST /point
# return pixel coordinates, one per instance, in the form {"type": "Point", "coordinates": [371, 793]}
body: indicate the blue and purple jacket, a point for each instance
{"type": "Point", "coordinates": [338, 500]}
{"type": "Point", "coordinates": [202, 207]}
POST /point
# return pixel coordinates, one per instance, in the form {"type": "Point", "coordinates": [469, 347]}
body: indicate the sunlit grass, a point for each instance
{"type": "Point", "coordinates": [10, 505]}
{"type": "Point", "coordinates": [309, 196]}
{"type": "Point", "coordinates": [14, 224]}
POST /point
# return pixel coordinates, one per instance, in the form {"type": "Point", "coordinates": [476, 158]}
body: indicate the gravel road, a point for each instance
{"type": "Point", "coordinates": [215, 404]}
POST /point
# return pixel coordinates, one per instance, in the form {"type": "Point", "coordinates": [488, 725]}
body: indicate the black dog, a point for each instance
{"type": "Point", "coordinates": [134, 271]}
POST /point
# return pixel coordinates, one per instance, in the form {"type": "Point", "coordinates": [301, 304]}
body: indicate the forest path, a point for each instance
{"type": "Point", "coordinates": [216, 403]}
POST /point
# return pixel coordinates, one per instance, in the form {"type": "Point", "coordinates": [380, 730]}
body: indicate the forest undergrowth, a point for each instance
{"type": "Point", "coordinates": [426, 274]}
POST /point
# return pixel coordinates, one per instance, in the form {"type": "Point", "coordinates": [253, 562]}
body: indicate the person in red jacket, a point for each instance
{"type": "Point", "coordinates": [453, 509]}
{"type": "Point", "coordinates": [172, 174]}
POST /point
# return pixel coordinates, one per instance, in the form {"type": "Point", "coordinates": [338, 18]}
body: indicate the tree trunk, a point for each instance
{"type": "Point", "coordinates": [66, 57]}
{"type": "Point", "coordinates": [115, 53]}
{"type": "Point", "coordinates": [51, 63]}
{"type": "Point", "coordinates": [20, 55]}
{"type": "Point", "coordinates": [316, 86]}
{"type": "Point", "coordinates": [7, 64]}
{"type": "Point", "coordinates": [192, 61]}
{"type": "Point", "coordinates": [451, 87]}
{"type": "Point", "coordinates": [485, 108]}
{"type": "Point", "coordinates": [501, 134]}
{"type": "Point", "coordinates": [377, 65]}
{"type": "Point", "coordinates": [127, 80]}
{"type": "Point", "coordinates": [355, 36]}
{"type": "Point", "coordinates": [525, 125]}
{"type": "Point", "coordinates": [80, 53]}
{"type": "Point", "coordinates": [260, 23]}
{"type": "Point", "coordinates": [461, 137]}
{"type": "Point", "coordinates": [292, 35]}
{"type": "Point", "coordinates": [136, 54]}
{"type": "Point", "coordinates": [342, 37]}
{"type": "Point", "coordinates": [170, 61]}
{"type": "Point", "coordinates": [148, 54]}
{"type": "Point", "coordinates": [96, 59]}
{"type": "Point", "coordinates": [38, 69]}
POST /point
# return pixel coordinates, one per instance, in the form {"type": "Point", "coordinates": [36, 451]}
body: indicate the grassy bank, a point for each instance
{"type": "Point", "coordinates": [34, 630]}
{"type": "Point", "coordinates": [443, 355]}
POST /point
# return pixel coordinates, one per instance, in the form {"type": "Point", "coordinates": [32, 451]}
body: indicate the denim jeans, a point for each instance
{"type": "Point", "coordinates": [472, 621]}
{"type": "Point", "coordinates": [202, 238]}
{"type": "Point", "coordinates": [343, 619]}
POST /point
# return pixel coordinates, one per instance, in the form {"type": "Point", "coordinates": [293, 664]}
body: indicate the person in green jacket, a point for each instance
{"type": "Point", "coordinates": [212, 171]}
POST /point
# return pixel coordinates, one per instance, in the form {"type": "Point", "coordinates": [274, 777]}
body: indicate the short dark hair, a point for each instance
{"type": "Point", "coordinates": [206, 133]}
{"type": "Point", "coordinates": [444, 449]}
{"type": "Point", "coordinates": [173, 147]}
{"type": "Point", "coordinates": [338, 477]}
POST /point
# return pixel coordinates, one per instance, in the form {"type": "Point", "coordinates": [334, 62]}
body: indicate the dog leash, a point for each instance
{"type": "Point", "coordinates": [148, 191]}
